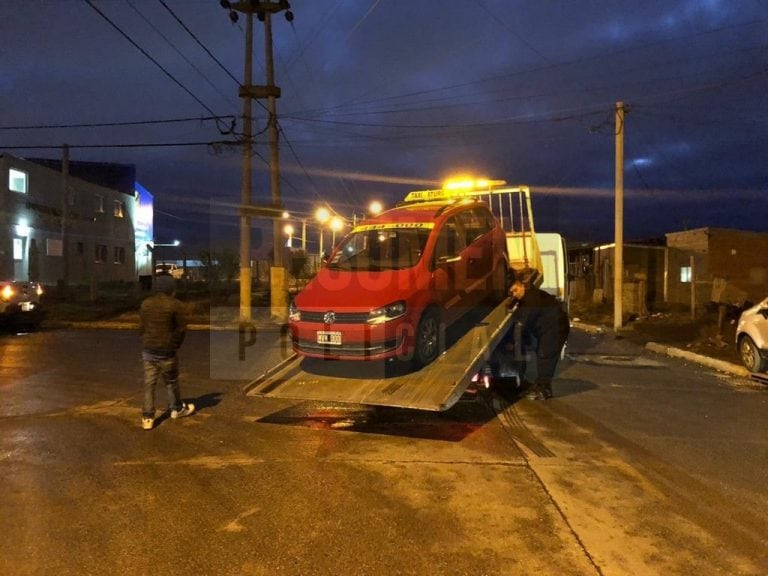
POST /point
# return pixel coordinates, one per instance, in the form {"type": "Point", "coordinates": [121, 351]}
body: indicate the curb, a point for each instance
{"type": "Point", "coordinates": [720, 365]}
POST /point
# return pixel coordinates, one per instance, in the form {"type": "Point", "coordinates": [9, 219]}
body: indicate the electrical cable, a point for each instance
{"type": "Point", "coordinates": [151, 59]}
{"type": "Point", "coordinates": [115, 124]}
{"type": "Point", "coordinates": [179, 52]}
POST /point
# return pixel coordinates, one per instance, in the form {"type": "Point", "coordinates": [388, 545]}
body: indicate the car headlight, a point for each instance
{"type": "Point", "coordinates": [7, 292]}
{"type": "Point", "coordinates": [387, 313]}
{"type": "Point", "coordinates": [293, 313]}
{"type": "Point", "coordinates": [39, 290]}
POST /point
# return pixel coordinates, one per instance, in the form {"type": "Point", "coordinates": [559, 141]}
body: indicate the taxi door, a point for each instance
{"type": "Point", "coordinates": [449, 266]}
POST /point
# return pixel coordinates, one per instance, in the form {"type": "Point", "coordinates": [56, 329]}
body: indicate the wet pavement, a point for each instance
{"type": "Point", "coordinates": [627, 471]}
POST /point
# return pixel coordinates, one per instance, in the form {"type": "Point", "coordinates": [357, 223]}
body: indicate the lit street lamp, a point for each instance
{"type": "Point", "coordinates": [288, 230]}
{"type": "Point", "coordinates": [337, 225]}
{"type": "Point", "coordinates": [322, 215]}
{"type": "Point", "coordinates": [375, 208]}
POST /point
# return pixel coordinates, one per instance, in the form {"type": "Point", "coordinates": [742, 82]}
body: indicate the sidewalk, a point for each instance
{"type": "Point", "coordinates": [715, 363]}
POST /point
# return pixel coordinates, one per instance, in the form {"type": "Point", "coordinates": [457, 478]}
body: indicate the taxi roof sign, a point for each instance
{"type": "Point", "coordinates": [461, 188]}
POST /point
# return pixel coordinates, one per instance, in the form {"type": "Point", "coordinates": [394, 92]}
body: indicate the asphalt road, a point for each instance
{"type": "Point", "coordinates": [640, 465]}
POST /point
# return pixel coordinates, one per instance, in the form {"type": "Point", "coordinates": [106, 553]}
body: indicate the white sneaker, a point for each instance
{"type": "Point", "coordinates": [186, 410]}
{"type": "Point", "coordinates": [147, 423]}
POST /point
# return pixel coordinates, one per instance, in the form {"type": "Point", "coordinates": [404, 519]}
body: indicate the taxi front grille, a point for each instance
{"type": "Point", "coordinates": [339, 317]}
{"type": "Point", "coordinates": [359, 350]}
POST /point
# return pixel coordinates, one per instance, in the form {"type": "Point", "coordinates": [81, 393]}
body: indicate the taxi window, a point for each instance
{"type": "Point", "coordinates": [381, 249]}
{"type": "Point", "coordinates": [450, 242]}
{"type": "Point", "coordinates": [476, 222]}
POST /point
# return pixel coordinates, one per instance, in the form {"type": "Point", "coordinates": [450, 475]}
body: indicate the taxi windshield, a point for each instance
{"type": "Point", "coordinates": [382, 248]}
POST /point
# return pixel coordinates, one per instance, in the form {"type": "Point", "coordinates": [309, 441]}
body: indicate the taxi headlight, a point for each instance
{"type": "Point", "coordinates": [387, 313]}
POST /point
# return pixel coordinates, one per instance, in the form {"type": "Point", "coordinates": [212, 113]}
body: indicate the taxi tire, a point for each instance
{"type": "Point", "coordinates": [427, 340]}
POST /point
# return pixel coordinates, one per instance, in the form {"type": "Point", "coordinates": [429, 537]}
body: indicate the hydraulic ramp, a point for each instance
{"type": "Point", "coordinates": [435, 387]}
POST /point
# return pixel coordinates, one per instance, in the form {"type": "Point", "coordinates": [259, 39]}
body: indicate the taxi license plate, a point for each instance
{"type": "Point", "coordinates": [329, 338]}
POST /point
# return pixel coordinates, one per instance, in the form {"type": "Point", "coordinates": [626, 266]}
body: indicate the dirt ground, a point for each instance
{"type": "Point", "coordinates": [707, 334]}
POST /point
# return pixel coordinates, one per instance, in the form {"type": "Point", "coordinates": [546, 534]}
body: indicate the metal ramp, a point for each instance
{"type": "Point", "coordinates": [436, 387]}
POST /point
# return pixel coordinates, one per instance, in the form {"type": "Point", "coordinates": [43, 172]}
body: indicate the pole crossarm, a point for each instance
{"type": "Point", "coordinates": [272, 211]}
{"type": "Point", "coordinates": [259, 91]}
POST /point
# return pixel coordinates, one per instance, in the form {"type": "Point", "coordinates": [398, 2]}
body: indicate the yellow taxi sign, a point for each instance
{"type": "Point", "coordinates": [393, 225]}
{"type": "Point", "coordinates": [454, 189]}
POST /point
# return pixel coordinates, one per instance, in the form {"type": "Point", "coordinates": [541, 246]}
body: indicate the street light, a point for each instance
{"type": "Point", "coordinates": [322, 215]}
{"type": "Point", "coordinates": [288, 230]}
{"type": "Point", "coordinates": [337, 225]}
{"type": "Point", "coordinates": [375, 208]}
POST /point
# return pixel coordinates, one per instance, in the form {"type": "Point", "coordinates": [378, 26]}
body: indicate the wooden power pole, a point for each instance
{"type": "Point", "coordinates": [618, 258]}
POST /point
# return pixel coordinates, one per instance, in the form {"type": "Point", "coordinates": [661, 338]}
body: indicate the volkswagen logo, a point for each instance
{"type": "Point", "coordinates": [329, 317]}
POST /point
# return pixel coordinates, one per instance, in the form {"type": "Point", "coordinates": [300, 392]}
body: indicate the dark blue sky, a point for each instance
{"type": "Point", "coordinates": [380, 97]}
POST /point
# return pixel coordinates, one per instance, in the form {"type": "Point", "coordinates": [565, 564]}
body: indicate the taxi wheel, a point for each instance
{"type": "Point", "coordinates": [750, 355]}
{"type": "Point", "coordinates": [427, 338]}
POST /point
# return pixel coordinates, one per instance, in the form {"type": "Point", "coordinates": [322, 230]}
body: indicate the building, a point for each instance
{"type": "Point", "coordinates": [705, 262]}
{"type": "Point", "coordinates": [94, 225]}
{"type": "Point", "coordinates": [694, 268]}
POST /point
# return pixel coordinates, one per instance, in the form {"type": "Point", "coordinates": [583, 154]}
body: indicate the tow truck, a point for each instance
{"type": "Point", "coordinates": [468, 351]}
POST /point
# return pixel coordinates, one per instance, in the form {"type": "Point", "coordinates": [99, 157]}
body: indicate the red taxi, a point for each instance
{"type": "Point", "coordinates": [396, 281]}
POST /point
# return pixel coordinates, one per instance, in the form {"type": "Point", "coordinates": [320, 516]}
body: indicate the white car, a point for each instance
{"type": "Point", "coordinates": [752, 337]}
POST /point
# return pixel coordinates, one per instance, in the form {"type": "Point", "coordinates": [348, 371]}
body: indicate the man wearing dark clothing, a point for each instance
{"type": "Point", "coordinates": [163, 327]}
{"type": "Point", "coordinates": [546, 324]}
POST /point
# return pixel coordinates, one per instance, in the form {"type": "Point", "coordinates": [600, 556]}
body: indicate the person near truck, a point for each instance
{"type": "Point", "coordinates": [545, 327]}
{"type": "Point", "coordinates": [163, 327]}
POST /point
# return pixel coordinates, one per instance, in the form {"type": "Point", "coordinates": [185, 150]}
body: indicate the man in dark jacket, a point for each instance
{"type": "Point", "coordinates": [546, 324]}
{"type": "Point", "coordinates": [163, 328]}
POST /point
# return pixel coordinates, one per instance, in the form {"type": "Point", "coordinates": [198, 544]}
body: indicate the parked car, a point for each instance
{"type": "Point", "coordinates": [166, 269]}
{"type": "Point", "coordinates": [20, 303]}
{"type": "Point", "coordinates": [392, 285]}
{"type": "Point", "coordinates": [752, 337]}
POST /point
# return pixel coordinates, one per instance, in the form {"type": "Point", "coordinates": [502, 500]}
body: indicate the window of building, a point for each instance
{"type": "Point", "coordinates": [100, 253]}
{"type": "Point", "coordinates": [119, 255]}
{"type": "Point", "coordinates": [18, 249]}
{"type": "Point", "coordinates": [99, 203]}
{"type": "Point", "coordinates": [17, 181]}
{"type": "Point", "coordinates": [685, 274]}
{"type": "Point", "coordinates": [54, 247]}
{"type": "Point", "coordinates": [119, 210]}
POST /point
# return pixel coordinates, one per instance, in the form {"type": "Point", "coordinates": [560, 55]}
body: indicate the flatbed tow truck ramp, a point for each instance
{"type": "Point", "coordinates": [435, 387]}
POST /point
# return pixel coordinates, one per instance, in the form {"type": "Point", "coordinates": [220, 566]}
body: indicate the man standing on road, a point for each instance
{"type": "Point", "coordinates": [163, 328]}
{"type": "Point", "coordinates": [546, 324]}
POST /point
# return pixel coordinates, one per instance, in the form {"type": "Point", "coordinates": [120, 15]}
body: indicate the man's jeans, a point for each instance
{"type": "Point", "coordinates": [155, 367]}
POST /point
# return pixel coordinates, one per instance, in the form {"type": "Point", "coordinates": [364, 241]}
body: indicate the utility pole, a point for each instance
{"type": "Point", "coordinates": [618, 258]}
{"type": "Point", "coordinates": [278, 281]}
{"type": "Point", "coordinates": [245, 219]}
{"type": "Point", "coordinates": [65, 217]}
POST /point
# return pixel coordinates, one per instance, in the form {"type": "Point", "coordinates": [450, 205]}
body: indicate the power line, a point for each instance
{"type": "Point", "coordinates": [150, 58]}
{"type": "Point", "coordinates": [133, 145]}
{"type": "Point", "coordinates": [117, 124]}
{"type": "Point", "coordinates": [551, 66]}
{"type": "Point", "coordinates": [199, 43]}
{"type": "Point", "coordinates": [179, 52]}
